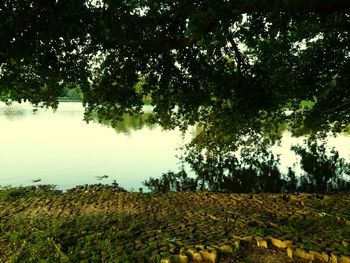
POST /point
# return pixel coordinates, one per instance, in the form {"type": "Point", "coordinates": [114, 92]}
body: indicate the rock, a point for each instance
{"type": "Point", "coordinates": [47, 201]}
{"type": "Point", "coordinates": [260, 242]}
{"type": "Point", "coordinates": [226, 249]}
{"type": "Point", "coordinates": [179, 259]}
{"type": "Point", "coordinates": [236, 244]}
{"type": "Point", "coordinates": [334, 258]}
{"type": "Point", "coordinates": [281, 244]}
{"type": "Point", "coordinates": [193, 255]}
{"type": "Point", "coordinates": [290, 253]}
{"type": "Point", "coordinates": [274, 225]}
{"type": "Point", "coordinates": [210, 248]}
{"type": "Point", "coordinates": [247, 238]}
{"type": "Point", "coordinates": [321, 257]}
{"type": "Point", "coordinates": [214, 218]}
{"type": "Point", "coordinates": [210, 256]}
{"type": "Point", "coordinates": [344, 259]}
{"type": "Point", "coordinates": [199, 247]}
{"type": "Point", "coordinates": [303, 254]}
{"type": "Point", "coordinates": [179, 243]}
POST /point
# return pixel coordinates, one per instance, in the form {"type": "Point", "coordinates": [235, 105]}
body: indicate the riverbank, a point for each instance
{"type": "Point", "coordinates": [104, 223]}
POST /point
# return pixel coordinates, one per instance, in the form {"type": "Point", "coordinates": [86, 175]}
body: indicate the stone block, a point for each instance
{"type": "Point", "coordinates": [179, 259]}
{"type": "Point", "coordinates": [281, 244]}
{"type": "Point", "coordinates": [226, 249]}
{"type": "Point", "coordinates": [236, 244]}
{"type": "Point", "coordinates": [321, 257]}
{"type": "Point", "coordinates": [247, 238]}
{"type": "Point", "coordinates": [260, 242]}
{"type": "Point", "coordinates": [193, 255]}
{"type": "Point", "coordinates": [210, 256]}
{"type": "Point", "coordinates": [200, 247]}
{"type": "Point", "coordinates": [290, 253]}
{"type": "Point", "coordinates": [303, 254]}
{"type": "Point", "coordinates": [334, 258]}
{"type": "Point", "coordinates": [344, 259]}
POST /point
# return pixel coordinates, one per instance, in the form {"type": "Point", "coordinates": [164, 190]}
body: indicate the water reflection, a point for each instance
{"type": "Point", "coordinates": [61, 149]}
{"type": "Point", "coordinates": [319, 169]}
{"type": "Point", "coordinates": [12, 113]}
{"type": "Point", "coordinates": [131, 123]}
{"type": "Point", "coordinates": [126, 125]}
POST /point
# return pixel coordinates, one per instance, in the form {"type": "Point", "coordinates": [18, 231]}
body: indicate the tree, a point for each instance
{"type": "Point", "coordinates": [235, 67]}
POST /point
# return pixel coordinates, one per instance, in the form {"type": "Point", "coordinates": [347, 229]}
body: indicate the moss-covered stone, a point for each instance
{"type": "Point", "coordinates": [209, 256]}
{"type": "Point", "coordinates": [304, 254]}
{"type": "Point", "coordinates": [319, 256]}
{"type": "Point", "coordinates": [290, 252]}
{"type": "Point", "coordinates": [179, 259]}
{"type": "Point", "coordinates": [226, 249]}
{"type": "Point", "coordinates": [344, 259]}
{"type": "Point", "coordinates": [260, 242]}
{"type": "Point", "coordinates": [281, 244]}
{"type": "Point", "coordinates": [334, 258]}
{"type": "Point", "coordinates": [95, 220]}
{"type": "Point", "coordinates": [193, 255]}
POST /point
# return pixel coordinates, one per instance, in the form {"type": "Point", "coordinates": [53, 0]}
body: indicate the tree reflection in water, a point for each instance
{"type": "Point", "coordinates": [12, 113]}
{"type": "Point", "coordinates": [129, 122]}
{"type": "Point", "coordinates": [257, 170]}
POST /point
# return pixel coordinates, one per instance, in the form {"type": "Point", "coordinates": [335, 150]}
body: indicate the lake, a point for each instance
{"type": "Point", "coordinates": [60, 148]}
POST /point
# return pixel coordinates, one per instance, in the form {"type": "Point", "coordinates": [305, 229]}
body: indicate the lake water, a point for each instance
{"type": "Point", "coordinates": [61, 149]}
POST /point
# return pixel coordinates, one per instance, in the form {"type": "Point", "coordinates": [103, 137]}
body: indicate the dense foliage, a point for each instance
{"type": "Point", "coordinates": [236, 62]}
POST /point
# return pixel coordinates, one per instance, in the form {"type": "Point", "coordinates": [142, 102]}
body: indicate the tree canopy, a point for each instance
{"type": "Point", "coordinates": [234, 67]}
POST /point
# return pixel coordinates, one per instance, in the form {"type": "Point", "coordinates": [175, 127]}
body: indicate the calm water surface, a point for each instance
{"type": "Point", "coordinates": [61, 149]}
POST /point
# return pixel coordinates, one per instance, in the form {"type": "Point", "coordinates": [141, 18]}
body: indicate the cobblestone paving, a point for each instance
{"type": "Point", "coordinates": [308, 226]}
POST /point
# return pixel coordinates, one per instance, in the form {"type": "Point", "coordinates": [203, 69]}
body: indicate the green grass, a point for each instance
{"type": "Point", "coordinates": [257, 231]}
{"type": "Point", "coordinates": [107, 226]}
{"type": "Point", "coordinates": [10, 193]}
{"type": "Point", "coordinates": [65, 239]}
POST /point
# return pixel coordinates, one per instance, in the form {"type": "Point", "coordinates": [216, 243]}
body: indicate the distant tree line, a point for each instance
{"type": "Point", "coordinates": [71, 93]}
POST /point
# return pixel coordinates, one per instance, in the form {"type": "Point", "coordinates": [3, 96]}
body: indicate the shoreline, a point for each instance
{"type": "Point", "coordinates": [110, 224]}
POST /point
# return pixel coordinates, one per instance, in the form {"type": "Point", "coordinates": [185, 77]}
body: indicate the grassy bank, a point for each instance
{"type": "Point", "coordinates": [103, 223]}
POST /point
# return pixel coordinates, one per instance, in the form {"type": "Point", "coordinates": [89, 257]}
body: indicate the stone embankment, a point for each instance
{"type": "Point", "coordinates": [101, 223]}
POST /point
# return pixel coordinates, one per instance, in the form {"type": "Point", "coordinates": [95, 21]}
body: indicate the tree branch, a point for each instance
{"type": "Point", "coordinates": [297, 6]}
